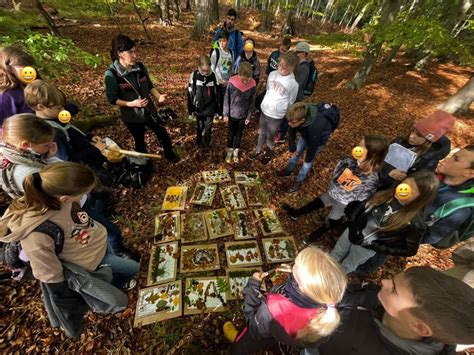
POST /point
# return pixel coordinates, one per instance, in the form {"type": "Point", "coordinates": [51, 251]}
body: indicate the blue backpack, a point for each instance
{"type": "Point", "coordinates": [332, 114]}
{"type": "Point", "coordinates": [313, 78]}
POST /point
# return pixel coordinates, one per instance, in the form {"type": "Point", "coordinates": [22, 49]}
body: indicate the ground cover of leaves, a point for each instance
{"type": "Point", "coordinates": [393, 98]}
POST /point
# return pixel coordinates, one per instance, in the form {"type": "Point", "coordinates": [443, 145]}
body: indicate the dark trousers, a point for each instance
{"type": "Point", "coordinates": [283, 127]}
{"type": "Point", "coordinates": [235, 130]}
{"type": "Point", "coordinates": [203, 125]}
{"type": "Point", "coordinates": [220, 98]}
{"type": "Point", "coordinates": [248, 344]}
{"type": "Point", "coordinates": [138, 132]}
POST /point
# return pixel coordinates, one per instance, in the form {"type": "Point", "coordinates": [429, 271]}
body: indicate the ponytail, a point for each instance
{"type": "Point", "coordinates": [43, 189]}
{"type": "Point", "coordinates": [321, 325]}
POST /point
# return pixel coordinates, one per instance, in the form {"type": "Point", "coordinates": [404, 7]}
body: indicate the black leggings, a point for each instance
{"type": "Point", "coordinates": [234, 136]}
{"type": "Point", "coordinates": [138, 132]}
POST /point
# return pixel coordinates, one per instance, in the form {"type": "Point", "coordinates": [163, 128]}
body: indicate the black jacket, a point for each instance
{"type": "Point", "coordinates": [364, 230]}
{"type": "Point", "coordinates": [202, 94]}
{"type": "Point", "coordinates": [361, 331]}
{"type": "Point", "coordinates": [428, 161]}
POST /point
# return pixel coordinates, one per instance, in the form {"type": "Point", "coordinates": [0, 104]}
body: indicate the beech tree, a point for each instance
{"type": "Point", "coordinates": [461, 100]}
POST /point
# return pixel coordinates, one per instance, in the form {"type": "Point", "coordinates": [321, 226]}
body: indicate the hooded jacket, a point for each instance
{"type": "Point", "coordinates": [239, 99]}
{"type": "Point", "coordinates": [253, 61]}
{"type": "Point", "coordinates": [85, 240]}
{"type": "Point", "coordinates": [272, 62]}
{"type": "Point", "coordinates": [124, 85]}
{"type": "Point", "coordinates": [236, 43]}
{"type": "Point", "coordinates": [361, 330]}
{"type": "Point", "coordinates": [428, 161]}
{"type": "Point", "coordinates": [202, 91]}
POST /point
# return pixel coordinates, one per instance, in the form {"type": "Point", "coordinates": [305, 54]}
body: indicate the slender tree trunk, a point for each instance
{"type": "Point", "coordinates": [358, 18]}
{"type": "Point", "coordinates": [188, 6]}
{"type": "Point", "coordinates": [176, 10]}
{"type": "Point", "coordinates": [345, 15]}
{"type": "Point", "coordinates": [167, 16]}
{"type": "Point", "coordinates": [389, 12]}
{"type": "Point", "coordinates": [214, 17]}
{"type": "Point", "coordinates": [49, 20]}
{"type": "Point", "coordinates": [391, 56]}
{"type": "Point", "coordinates": [159, 10]}
{"type": "Point", "coordinates": [326, 11]}
{"type": "Point", "coordinates": [142, 20]}
{"type": "Point", "coordinates": [461, 100]}
{"type": "Point", "coordinates": [114, 17]}
{"type": "Point", "coordinates": [265, 16]}
{"type": "Point", "coordinates": [201, 24]}
{"type": "Point", "coordinates": [237, 5]}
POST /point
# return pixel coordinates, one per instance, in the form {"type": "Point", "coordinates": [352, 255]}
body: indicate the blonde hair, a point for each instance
{"type": "Point", "coordinates": [324, 281]}
{"type": "Point", "coordinates": [245, 70]}
{"type": "Point", "coordinates": [42, 190]}
{"type": "Point", "coordinates": [297, 111]}
{"type": "Point", "coordinates": [26, 127]}
{"type": "Point", "coordinates": [40, 92]}
{"type": "Point", "coordinates": [291, 59]}
{"type": "Point", "coordinates": [9, 58]}
{"type": "Point", "coordinates": [204, 60]}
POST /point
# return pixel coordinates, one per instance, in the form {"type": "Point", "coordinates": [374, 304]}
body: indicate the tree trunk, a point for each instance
{"type": "Point", "coordinates": [114, 17]}
{"type": "Point", "coordinates": [265, 16]}
{"type": "Point", "coordinates": [391, 56]}
{"type": "Point", "coordinates": [214, 16]}
{"type": "Point", "coordinates": [326, 11]}
{"type": "Point", "coordinates": [201, 25]}
{"type": "Point", "coordinates": [359, 17]}
{"type": "Point", "coordinates": [159, 10]}
{"type": "Point", "coordinates": [389, 12]}
{"type": "Point", "coordinates": [237, 5]}
{"type": "Point", "coordinates": [188, 6]}
{"type": "Point", "coordinates": [167, 16]}
{"type": "Point", "coordinates": [142, 20]}
{"type": "Point", "coordinates": [461, 100]}
{"type": "Point", "coordinates": [345, 15]}
{"type": "Point", "coordinates": [49, 20]}
{"type": "Point", "coordinates": [288, 27]}
{"type": "Point", "coordinates": [176, 10]}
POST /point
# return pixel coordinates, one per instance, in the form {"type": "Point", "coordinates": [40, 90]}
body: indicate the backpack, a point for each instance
{"type": "Point", "coordinates": [133, 172]}
{"type": "Point", "coordinates": [11, 252]}
{"type": "Point", "coordinates": [313, 77]}
{"type": "Point", "coordinates": [215, 45]}
{"type": "Point", "coordinates": [465, 230]}
{"type": "Point", "coordinates": [218, 52]}
{"type": "Point", "coordinates": [332, 114]}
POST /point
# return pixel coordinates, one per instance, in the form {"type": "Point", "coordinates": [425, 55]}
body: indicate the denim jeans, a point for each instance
{"type": "Point", "coordinates": [123, 270]}
{"type": "Point", "coordinates": [350, 255]}
{"type": "Point", "coordinates": [305, 169]}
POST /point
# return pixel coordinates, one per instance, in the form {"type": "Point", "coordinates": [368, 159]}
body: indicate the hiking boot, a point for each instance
{"type": "Point", "coordinates": [255, 155]}
{"type": "Point", "coordinates": [292, 212]}
{"type": "Point", "coordinates": [236, 156]}
{"type": "Point", "coordinates": [228, 155]}
{"type": "Point", "coordinates": [267, 156]}
{"type": "Point", "coordinates": [283, 172]}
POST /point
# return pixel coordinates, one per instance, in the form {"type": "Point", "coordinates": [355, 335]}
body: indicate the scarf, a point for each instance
{"type": "Point", "coordinates": [292, 291]}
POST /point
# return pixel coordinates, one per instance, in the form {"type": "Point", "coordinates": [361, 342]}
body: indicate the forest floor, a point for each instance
{"type": "Point", "coordinates": [393, 98]}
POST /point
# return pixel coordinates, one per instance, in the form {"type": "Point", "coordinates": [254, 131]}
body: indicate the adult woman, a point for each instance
{"type": "Point", "coordinates": [128, 85]}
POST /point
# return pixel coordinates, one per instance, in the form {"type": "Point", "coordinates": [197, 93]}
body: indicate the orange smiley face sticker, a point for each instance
{"type": "Point", "coordinates": [28, 74]}
{"type": "Point", "coordinates": [64, 116]}
{"type": "Point", "coordinates": [358, 152]}
{"type": "Point", "coordinates": [403, 192]}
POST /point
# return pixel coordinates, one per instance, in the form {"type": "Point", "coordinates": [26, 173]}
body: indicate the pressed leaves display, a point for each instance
{"type": "Point", "coordinates": [268, 221]}
{"type": "Point", "coordinates": [167, 226]}
{"type": "Point", "coordinates": [246, 177]}
{"type": "Point", "coordinates": [163, 264]}
{"type": "Point", "coordinates": [254, 194]}
{"type": "Point", "coordinates": [215, 176]}
{"type": "Point", "coordinates": [242, 254]}
{"type": "Point", "coordinates": [193, 227]}
{"type": "Point", "coordinates": [280, 249]}
{"type": "Point", "coordinates": [195, 258]}
{"type": "Point", "coordinates": [203, 194]}
{"type": "Point", "coordinates": [203, 294]}
{"type": "Point", "coordinates": [232, 197]}
{"type": "Point", "coordinates": [218, 223]}
{"type": "Point", "coordinates": [158, 303]}
{"type": "Point", "coordinates": [238, 279]}
{"type": "Point", "coordinates": [244, 224]}
{"type": "Point", "coordinates": [175, 198]}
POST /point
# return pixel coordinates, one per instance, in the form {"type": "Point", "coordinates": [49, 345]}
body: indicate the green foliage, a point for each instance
{"type": "Point", "coordinates": [343, 42]}
{"type": "Point", "coordinates": [53, 55]}
{"type": "Point", "coordinates": [222, 285]}
{"type": "Point", "coordinates": [83, 9]}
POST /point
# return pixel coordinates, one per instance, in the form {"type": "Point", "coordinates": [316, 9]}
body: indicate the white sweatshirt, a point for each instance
{"type": "Point", "coordinates": [281, 93]}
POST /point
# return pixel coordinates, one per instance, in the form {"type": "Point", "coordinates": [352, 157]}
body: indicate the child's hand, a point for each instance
{"type": "Point", "coordinates": [259, 276]}
{"type": "Point", "coordinates": [53, 149]}
{"type": "Point", "coordinates": [138, 103]}
{"type": "Point", "coordinates": [162, 98]}
{"type": "Point", "coordinates": [247, 121]}
{"type": "Point", "coordinates": [226, 119]}
{"type": "Point", "coordinates": [397, 174]}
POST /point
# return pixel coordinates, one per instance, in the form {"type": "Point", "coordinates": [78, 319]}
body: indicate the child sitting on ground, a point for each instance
{"type": "Point", "coordinates": [202, 100]}
{"type": "Point", "coordinates": [352, 180]}
{"type": "Point", "coordinates": [296, 314]}
{"type": "Point", "coordinates": [239, 104]}
{"type": "Point", "coordinates": [250, 56]}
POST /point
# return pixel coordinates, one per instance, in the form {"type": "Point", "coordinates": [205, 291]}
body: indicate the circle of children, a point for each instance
{"type": "Point", "coordinates": [58, 224]}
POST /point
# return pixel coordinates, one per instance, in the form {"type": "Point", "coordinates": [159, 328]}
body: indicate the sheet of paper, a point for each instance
{"type": "Point", "coordinates": [400, 157]}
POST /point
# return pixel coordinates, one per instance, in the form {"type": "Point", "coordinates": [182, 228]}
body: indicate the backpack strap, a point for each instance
{"type": "Point", "coordinates": [452, 206]}
{"type": "Point", "coordinates": [194, 83]}
{"type": "Point", "coordinates": [55, 232]}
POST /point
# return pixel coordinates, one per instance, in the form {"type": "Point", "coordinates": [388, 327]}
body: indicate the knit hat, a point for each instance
{"type": "Point", "coordinates": [302, 47]}
{"type": "Point", "coordinates": [435, 125]}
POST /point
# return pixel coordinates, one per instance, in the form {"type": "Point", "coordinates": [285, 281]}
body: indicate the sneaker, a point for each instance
{"type": "Point", "coordinates": [295, 188]}
{"type": "Point", "coordinates": [290, 211]}
{"type": "Point", "coordinates": [279, 140]}
{"type": "Point", "coordinates": [283, 172]}
{"type": "Point", "coordinates": [130, 285]}
{"type": "Point", "coordinates": [255, 155]}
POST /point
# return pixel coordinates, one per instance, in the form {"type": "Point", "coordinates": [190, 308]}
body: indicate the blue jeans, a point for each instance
{"type": "Point", "coordinates": [305, 169]}
{"type": "Point", "coordinates": [123, 270]}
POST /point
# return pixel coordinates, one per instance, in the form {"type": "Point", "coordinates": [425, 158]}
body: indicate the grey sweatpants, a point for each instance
{"type": "Point", "coordinates": [267, 129]}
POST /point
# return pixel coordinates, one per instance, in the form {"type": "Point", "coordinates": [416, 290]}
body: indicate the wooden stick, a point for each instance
{"type": "Point", "coordinates": [135, 154]}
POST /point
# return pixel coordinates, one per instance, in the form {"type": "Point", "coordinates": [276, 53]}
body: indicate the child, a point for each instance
{"type": "Point", "coordinates": [53, 195]}
{"type": "Point", "coordinates": [28, 145]}
{"type": "Point", "coordinates": [239, 104]}
{"type": "Point", "coordinates": [427, 139]}
{"type": "Point", "coordinates": [300, 312]}
{"type": "Point", "coordinates": [12, 61]}
{"type": "Point", "coordinates": [303, 75]}
{"type": "Point", "coordinates": [250, 56]}
{"type": "Point", "coordinates": [352, 180]}
{"type": "Point", "coordinates": [274, 58]}
{"type": "Point", "coordinates": [73, 144]}
{"type": "Point", "coordinates": [281, 92]}
{"type": "Point", "coordinates": [222, 65]}
{"type": "Point", "coordinates": [387, 224]}
{"type": "Point", "coordinates": [419, 311]}
{"type": "Point", "coordinates": [202, 99]}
